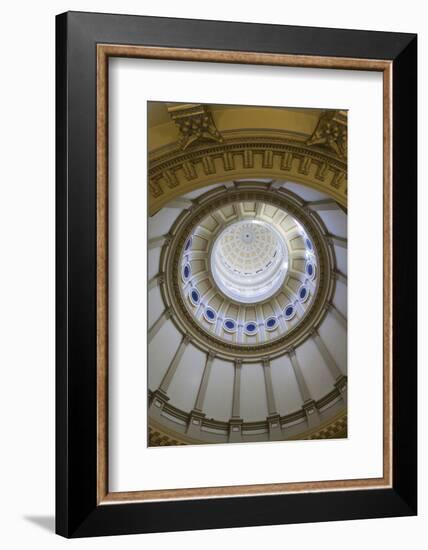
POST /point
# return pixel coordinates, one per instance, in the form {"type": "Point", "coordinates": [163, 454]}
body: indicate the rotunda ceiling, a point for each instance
{"type": "Point", "coordinates": [246, 271]}
{"type": "Point", "coordinates": [221, 317]}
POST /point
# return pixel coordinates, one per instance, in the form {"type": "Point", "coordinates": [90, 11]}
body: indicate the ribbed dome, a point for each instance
{"type": "Point", "coordinates": [249, 261]}
{"type": "Point", "coordinates": [248, 248]}
{"type": "Point", "coordinates": [249, 267]}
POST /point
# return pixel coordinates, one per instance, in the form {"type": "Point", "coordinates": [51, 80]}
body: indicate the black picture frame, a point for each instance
{"type": "Point", "coordinates": [77, 511]}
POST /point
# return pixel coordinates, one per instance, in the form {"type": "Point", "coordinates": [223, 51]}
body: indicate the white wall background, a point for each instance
{"type": "Point", "coordinates": [27, 272]}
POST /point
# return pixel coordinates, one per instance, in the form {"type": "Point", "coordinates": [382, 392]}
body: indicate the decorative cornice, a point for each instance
{"type": "Point", "coordinates": [179, 172]}
{"type": "Point", "coordinates": [333, 428]}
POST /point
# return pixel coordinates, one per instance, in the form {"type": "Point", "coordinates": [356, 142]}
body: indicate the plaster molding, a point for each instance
{"type": "Point", "coordinates": [178, 172]}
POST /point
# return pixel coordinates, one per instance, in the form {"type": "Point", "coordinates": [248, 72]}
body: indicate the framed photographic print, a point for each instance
{"type": "Point", "coordinates": [236, 266]}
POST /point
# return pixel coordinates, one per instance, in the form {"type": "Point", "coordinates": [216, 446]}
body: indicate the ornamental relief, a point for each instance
{"type": "Point", "coordinates": [331, 133]}
{"type": "Point", "coordinates": [179, 172]}
{"type": "Point", "coordinates": [194, 122]}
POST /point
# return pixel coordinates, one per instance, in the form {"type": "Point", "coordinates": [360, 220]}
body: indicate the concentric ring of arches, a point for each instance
{"type": "Point", "coordinates": [221, 312]}
{"type": "Point", "coordinates": [232, 329]}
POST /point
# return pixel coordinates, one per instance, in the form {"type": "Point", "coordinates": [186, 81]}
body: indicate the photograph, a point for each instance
{"type": "Point", "coordinates": [247, 273]}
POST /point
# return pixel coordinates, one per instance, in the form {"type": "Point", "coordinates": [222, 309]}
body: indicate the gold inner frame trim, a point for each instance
{"type": "Point", "coordinates": [104, 51]}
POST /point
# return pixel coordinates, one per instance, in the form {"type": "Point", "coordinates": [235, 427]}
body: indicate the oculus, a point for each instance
{"type": "Point", "coordinates": [289, 312]}
{"type": "Point", "coordinates": [271, 323]}
{"type": "Point", "coordinates": [210, 315]}
{"type": "Point", "coordinates": [229, 325]}
{"type": "Point", "coordinates": [194, 296]}
{"type": "Point", "coordinates": [187, 271]}
{"type": "Point", "coordinates": [251, 328]}
{"type": "Point", "coordinates": [249, 261]}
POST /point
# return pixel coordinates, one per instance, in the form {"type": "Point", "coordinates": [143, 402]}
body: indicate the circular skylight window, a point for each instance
{"type": "Point", "coordinates": [249, 261]}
